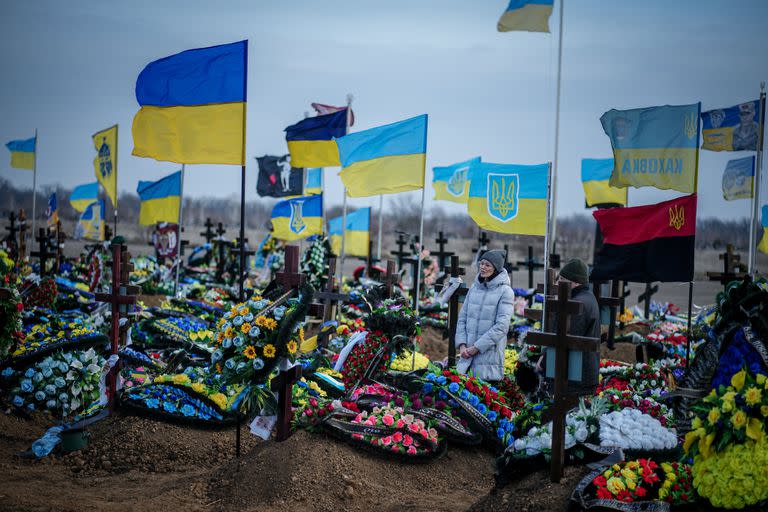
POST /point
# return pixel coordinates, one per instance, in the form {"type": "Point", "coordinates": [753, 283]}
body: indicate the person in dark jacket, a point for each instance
{"type": "Point", "coordinates": [586, 323]}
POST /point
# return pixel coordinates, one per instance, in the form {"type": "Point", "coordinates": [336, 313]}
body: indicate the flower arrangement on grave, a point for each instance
{"type": "Point", "coordinates": [633, 430]}
{"type": "Point", "coordinates": [11, 308]}
{"type": "Point", "coordinates": [677, 487]}
{"type": "Point", "coordinates": [314, 264]}
{"type": "Point", "coordinates": [177, 400]}
{"type": "Point", "coordinates": [429, 270]}
{"type": "Point", "coordinates": [626, 316]}
{"type": "Point", "coordinates": [511, 357]}
{"type": "Point", "coordinates": [641, 378]}
{"type": "Point", "coordinates": [180, 329]}
{"type": "Point", "coordinates": [202, 382]}
{"type": "Point", "coordinates": [631, 481]}
{"type": "Point", "coordinates": [255, 335]}
{"type": "Point", "coordinates": [54, 333]}
{"type": "Point", "coordinates": [650, 405]}
{"type": "Point", "coordinates": [216, 297]}
{"type": "Point", "coordinates": [64, 383]}
{"type": "Point", "coordinates": [398, 431]}
{"type": "Point", "coordinates": [362, 356]}
{"type": "Point", "coordinates": [43, 294]}
{"type": "Point", "coordinates": [738, 354]}
{"type": "Point", "coordinates": [407, 361]}
{"type": "Point", "coordinates": [658, 311]}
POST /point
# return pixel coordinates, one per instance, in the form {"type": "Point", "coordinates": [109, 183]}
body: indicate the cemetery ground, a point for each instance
{"type": "Point", "coordinates": [138, 463]}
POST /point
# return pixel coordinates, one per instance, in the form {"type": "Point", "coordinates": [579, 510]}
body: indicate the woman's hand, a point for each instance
{"type": "Point", "coordinates": [467, 353]}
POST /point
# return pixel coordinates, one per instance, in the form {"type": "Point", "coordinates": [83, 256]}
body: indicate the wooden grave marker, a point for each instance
{"type": "Point", "coordinates": [220, 244]}
{"type": "Point", "coordinates": [443, 256]}
{"type": "Point", "coordinates": [733, 269]}
{"type": "Point", "coordinates": [22, 254]}
{"type": "Point", "coordinates": [390, 279]}
{"type": "Point", "coordinates": [208, 234]}
{"type": "Point", "coordinates": [329, 298]}
{"type": "Point", "coordinates": [10, 239]}
{"type": "Point", "coordinates": [43, 253]}
{"type": "Point", "coordinates": [453, 309]}
{"type": "Point", "coordinates": [400, 253]}
{"type": "Point", "coordinates": [531, 264]}
{"type": "Point", "coordinates": [645, 297]}
{"type": "Point", "coordinates": [120, 296]}
{"type": "Point", "coordinates": [562, 343]}
{"type": "Point", "coordinates": [536, 314]}
{"type": "Point", "coordinates": [283, 385]}
{"type": "Point", "coordinates": [613, 302]}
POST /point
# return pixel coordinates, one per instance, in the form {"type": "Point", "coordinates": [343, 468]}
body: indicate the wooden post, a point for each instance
{"type": "Point", "coordinates": [283, 385]}
{"type": "Point", "coordinates": [390, 279]}
{"type": "Point", "coordinates": [453, 310]}
{"type": "Point", "coordinates": [43, 253]}
{"type": "Point", "coordinates": [646, 297]}
{"type": "Point", "coordinates": [531, 264]}
{"type": "Point", "coordinates": [413, 261]}
{"type": "Point", "coordinates": [613, 302]}
{"type": "Point", "coordinates": [120, 297]}
{"type": "Point", "coordinates": [733, 269]}
{"type": "Point", "coordinates": [562, 342]}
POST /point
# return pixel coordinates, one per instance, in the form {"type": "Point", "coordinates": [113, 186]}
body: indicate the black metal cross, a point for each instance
{"type": "Point", "coordinates": [330, 296]}
{"type": "Point", "coordinates": [441, 254]}
{"type": "Point", "coordinates": [531, 264]}
{"type": "Point", "coordinates": [507, 265]}
{"type": "Point", "coordinates": [733, 269]}
{"type": "Point", "coordinates": [646, 298]}
{"type": "Point", "coordinates": [22, 237]}
{"type": "Point", "coordinates": [369, 261]}
{"type": "Point", "coordinates": [623, 294]}
{"type": "Point", "coordinates": [220, 245]}
{"type": "Point", "coordinates": [43, 253]}
{"type": "Point", "coordinates": [482, 242]}
{"type": "Point", "coordinates": [10, 239]}
{"type": "Point", "coordinates": [562, 342]}
{"type": "Point", "coordinates": [208, 234]}
{"type": "Point", "coordinates": [239, 254]}
{"type": "Point", "coordinates": [413, 261]}
{"type": "Point", "coordinates": [400, 253]}
{"type": "Point", "coordinates": [537, 314]}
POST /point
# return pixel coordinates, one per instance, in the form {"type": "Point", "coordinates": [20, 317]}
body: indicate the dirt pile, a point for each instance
{"type": "Point", "coordinates": [315, 472]}
{"type": "Point", "coordinates": [432, 344]}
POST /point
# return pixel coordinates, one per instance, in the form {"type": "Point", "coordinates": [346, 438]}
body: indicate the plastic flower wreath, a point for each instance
{"type": "Point", "coordinates": [628, 482]}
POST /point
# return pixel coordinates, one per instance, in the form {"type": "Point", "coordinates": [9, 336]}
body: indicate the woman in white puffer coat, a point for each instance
{"type": "Point", "coordinates": [481, 332]}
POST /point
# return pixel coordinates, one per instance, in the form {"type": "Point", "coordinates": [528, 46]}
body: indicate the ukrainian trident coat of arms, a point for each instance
{"type": "Point", "coordinates": [105, 159]}
{"type": "Point", "coordinates": [297, 219]}
{"type": "Point", "coordinates": [502, 196]}
{"type": "Point", "coordinates": [458, 181]}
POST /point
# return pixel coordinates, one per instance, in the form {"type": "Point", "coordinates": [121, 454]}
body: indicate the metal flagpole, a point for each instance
{"type": "Point", "coordinates": [178, 238]}
{"type": "Point", "coordinates": [241, 277]}
{"type": "Point", "coordinates": [344, 204]}
{"type": "Point", "coordinates": [115, 167]}
{"type": "Point", "coordinates": [381, 218]}
{"type": "Point", "coordinates": [34, 188]}
{"type": "Point", "coordinates": [557, 126]}
{"type": "Point", "coordinates": [546, 248]}
{"type": "Point", "coordinates": [756, 190]}
{"type": "Point", "coordinates": [690, 311]}
{"type": "Point", "coordinates": [421, 220]}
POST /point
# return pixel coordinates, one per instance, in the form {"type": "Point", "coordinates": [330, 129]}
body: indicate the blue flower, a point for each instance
{"type": "Point", "coordinates": [464, 394]}
{"type": "Point", "coordinates": [441, 380]}
{"type": "Point", "coordinates": [301, 384]}
{"type": "Point", "coordinates": [217, 355]}
{"type": "Point", "coordinates": [63, 397]}
{"type": "Point", "coordinates": [204, 416]}
{"type": "Point", "coordinates": [51, 404]}
{"type": "Point", "coordinates": [238, 341]}
{"type": "Point", "coordinates": [230, 364]}
{"type": "Point", "coordinates": [494, 390]}
{"type": "Point", "coordinates": [59, 382]}
{"type": "Point", "coordinates": [255, 331]}
{"type": "Point", "coordinates": [188, 410]}
{"type": "Point", "coordinates": [453, 388]}
{"type": "Point", "coordinates": [442, 395]}
{"type": "Point", "coordinates": [152, 403]}
{"type": "Point", "coordinates": [169, 406]}
{"type": "Point", "coordinates": [427, 387]}
{"type": "Point", "coordinates": [50, 389]}
{"type": "Point", "coordinates": [257, 363]}
{"type": "Point", "coordinates": [18, 401]}
{"type": "Point", "coordinates": [481, 408]}
{"type": "Point", "coordinates": [37, 377]}
{"type": "Point", "coordinates": [28, 374]}
{"type": "Point", "coordinates": [240, 366]}
{"type": "Point", "coordinates": [40, 396]}
{"type": "Point", "coordinates": [500, 433]}
{"type": "Point", "coordinates": [492, 416]}
{"type": "Point", "coordinates": [238, 321]}
{"type": "Point", "coordinates": [31, 406]}
{"type": "Point", "coordinates": [474, 400]}
{"type": "Point", "coordinates": [26, 386]}
{"type": "Point", "coordinates": [47, 372]}
{"type": "Point", "coordinates": [226, 343]}
{"type": "Point", "coordinates": [431, 377]}
{"type": "Point", "coordinates": [279, 312]}
{"type": "Point", "coordinates": [537, 407]}
{"type": "Point", "coordinates": [510, 440]}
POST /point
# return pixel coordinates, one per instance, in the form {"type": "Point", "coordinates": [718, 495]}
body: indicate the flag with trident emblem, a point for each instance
{"type": "Point", "coordinates": [509, 198]}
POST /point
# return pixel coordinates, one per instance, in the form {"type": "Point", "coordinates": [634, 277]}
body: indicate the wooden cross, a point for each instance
{"type": "Point", "coordinates": [182, 245]}
{"type": "Point", "coordinates": [646, 297]}
{"type": "Point", "coordinates": [733, 269]}
{"type": "Point", "coordinates": [369, 261]}
{"type": "Point", "coordinates": [441, 254]}
{"type": "Point", "coordinates": [330, 296]}
{"type": "Point", "coordinates": [283, 385]}
{"type": "Point", "coordinates": [537, 314]}
{"type": "Point", "coordinates": [22, 237]}
{"type": "Point", "coordinates": [107, 232]}
{"type": "Point", "coordinates": [531, 264]}
{"type": "Point", "coordinates": [482, 242]}
{"type": "Point", "coordinates": [453, 310]}
{"type": "Point", "coordinates": [61, 237]}
{"type": "Point", "coordinates": [290, 277]}
{"type": "Point", "coordinates": [208, 234]}
{"type": "Point", "coordinates": [43, 253]}
{"type": "Point", "coordinates": [401, 241]}
{"type": "Point", "coordinates": [390, 279]}
{"type": "Point", "coordinates": [121, 296]}
{"type": "Point", "coordinates": [613, 302]}
{"type": "Point", "coordinates": [10, 239]}
{"type": "Point", "coordinates": [562, 342]}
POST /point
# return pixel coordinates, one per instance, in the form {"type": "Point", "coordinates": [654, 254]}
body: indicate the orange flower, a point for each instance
{"type": "Point", "coordinates": [269, 350]}
{"type": "Point", "coordinates": [249, 352]}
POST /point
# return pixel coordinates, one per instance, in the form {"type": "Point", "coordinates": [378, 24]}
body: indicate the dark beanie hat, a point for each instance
{"type": "Point", "coordinates": [575, 270]}
{"type": "Point", "coordinates": [495, 258]}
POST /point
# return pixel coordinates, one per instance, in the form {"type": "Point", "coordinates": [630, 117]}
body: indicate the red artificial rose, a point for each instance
{"type": "Point", "coordinates": [600, 481]}
{"type": "Point", "coordinates": [604, 494]}
{"type": "Point", "coordinates": [640, 492]}
{"type": "Point", "coordinates": [20, 307]}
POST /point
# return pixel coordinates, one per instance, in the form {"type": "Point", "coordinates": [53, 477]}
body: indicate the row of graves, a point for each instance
{"type": "Point", "coordinates": [292, 345]}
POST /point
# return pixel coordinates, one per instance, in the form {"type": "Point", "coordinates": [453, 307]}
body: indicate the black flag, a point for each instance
{"type": "Point", "coordinates": [277, 178]}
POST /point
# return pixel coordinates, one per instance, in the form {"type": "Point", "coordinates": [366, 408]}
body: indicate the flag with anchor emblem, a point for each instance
{"type": "Point", "coordinates": [509, 198]}
{"type": "Point", "coordinates": [451, 183]}
{"type": "Point", "coordinates": [298, 218]}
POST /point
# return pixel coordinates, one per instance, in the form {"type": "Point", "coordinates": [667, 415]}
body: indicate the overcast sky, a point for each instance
{"type": "Point", "coordinates": [70, 68]}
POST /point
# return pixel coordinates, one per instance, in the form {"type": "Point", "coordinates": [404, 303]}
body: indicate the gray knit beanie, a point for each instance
{"type": "Point", "coordinates": [495, 258]}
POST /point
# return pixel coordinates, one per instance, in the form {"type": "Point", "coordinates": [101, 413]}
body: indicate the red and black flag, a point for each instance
{"type": "Point", "coordinates": [647, 243]}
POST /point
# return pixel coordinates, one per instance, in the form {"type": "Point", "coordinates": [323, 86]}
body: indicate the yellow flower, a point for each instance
{"type": "Point", "coordinates": [615, 485]}
{"type": "Point", "coordinates": [764, 410]}
{"type": "Point", "coordinates": [628, 474]}
{"type": "Point", "coordinates": [755, 429]}
{"type": "Point", "coordinates": [245, 328]}
{"type": "Point", "coordinates": [753, 396]}
{"type": "Point", "coordinates": [292, 347]}
{"type": "Point", "coordinates": [269, 350]}
{"type": "Point", "coordinates": [181, 378]}
{"type": "Point", "coordinates": [761, 379]}
{"type": "Point", "coordinates": [249, 352]}
{"type": "Point", "coordinates": [728, 399]}
{"type": "Point", "coordinates": [219, 399]}
{"type": "Point", "coordinates": [193, 336]}
{"type": "Point", "coordinates": [691, 438]}
{"type": "Point", "coordinates": [243, 311]}
{"type": "Point", "coordinates": [739, 419]}
{"type": "Point", "coordinates": [228, 332]}
{"type": "Point", "coordinates": [737, 381]}
{"type": "Point", "coordinates": [706, 445]}
{"type": "Point", "coordinates": [197, 386]}
{"type": "Point", "coordinates": [696, 423]}
{"type": "Point", "coordinates": [714, 415]}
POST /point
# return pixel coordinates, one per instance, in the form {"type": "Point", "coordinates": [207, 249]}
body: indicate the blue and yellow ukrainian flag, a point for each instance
{"type": "Point", "coordinates": [314, 183]}
{"type": "Point", "coordinates": [298, 218]}
{"type": "Point", "coordinates": [386, 159]}
{"type": "Point", "coordinates": [193, 106]}
{"type": "Point", "coordinates": [160, 200]}
{"type": "Point", "coordinates": [763, 246]}
{"type": "Point", "coordinates": [734, 128]}
{"type": "Point", "coordinates": [22, 153]}
{"type": "Point", "coordinates": [358, 233]}
{"type": "Point", "coordinates": [595, 176]}
{"type": "Point", "coordinates": [105, 162]}
{"type": "Point", "coordinates": [84, 195]}
{"type": "Point", "coordinates": [655, 146]}
{"type": "Point", "coordinates": [52, 211]}
{"type": "Point", "coordinates": [91, 223]}
{"type": "Point", "coordinates": [528, 15]}
{"type": "Point", "coordinates": [311, 140]}
{"type": "Point", "coordinates": [451, 183]}
{"type": "Point", "coordinates": [509, 198]}
{"type": "Point", "coordinates": [739, 178]}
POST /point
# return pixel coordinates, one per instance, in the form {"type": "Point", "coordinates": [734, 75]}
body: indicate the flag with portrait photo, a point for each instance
{"type": "Point", "coordinates": [733, 128]}
{"type": "Point", "coordinates": [655, 146]}
{"type": "Point", "coordinates": [738, 178]}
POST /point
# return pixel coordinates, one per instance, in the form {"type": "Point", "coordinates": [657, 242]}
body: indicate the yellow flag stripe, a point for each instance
{"type": "Point", "coordinates": [314, 153]}
{"type": "Point", "coordinates": [386, 175]}
{"type": "Point", "coordinates": [165, 209]}
{"type": "Point", "coordinates": [531, 218]}
{"type": "Point", "coordinates": [22, 160]}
